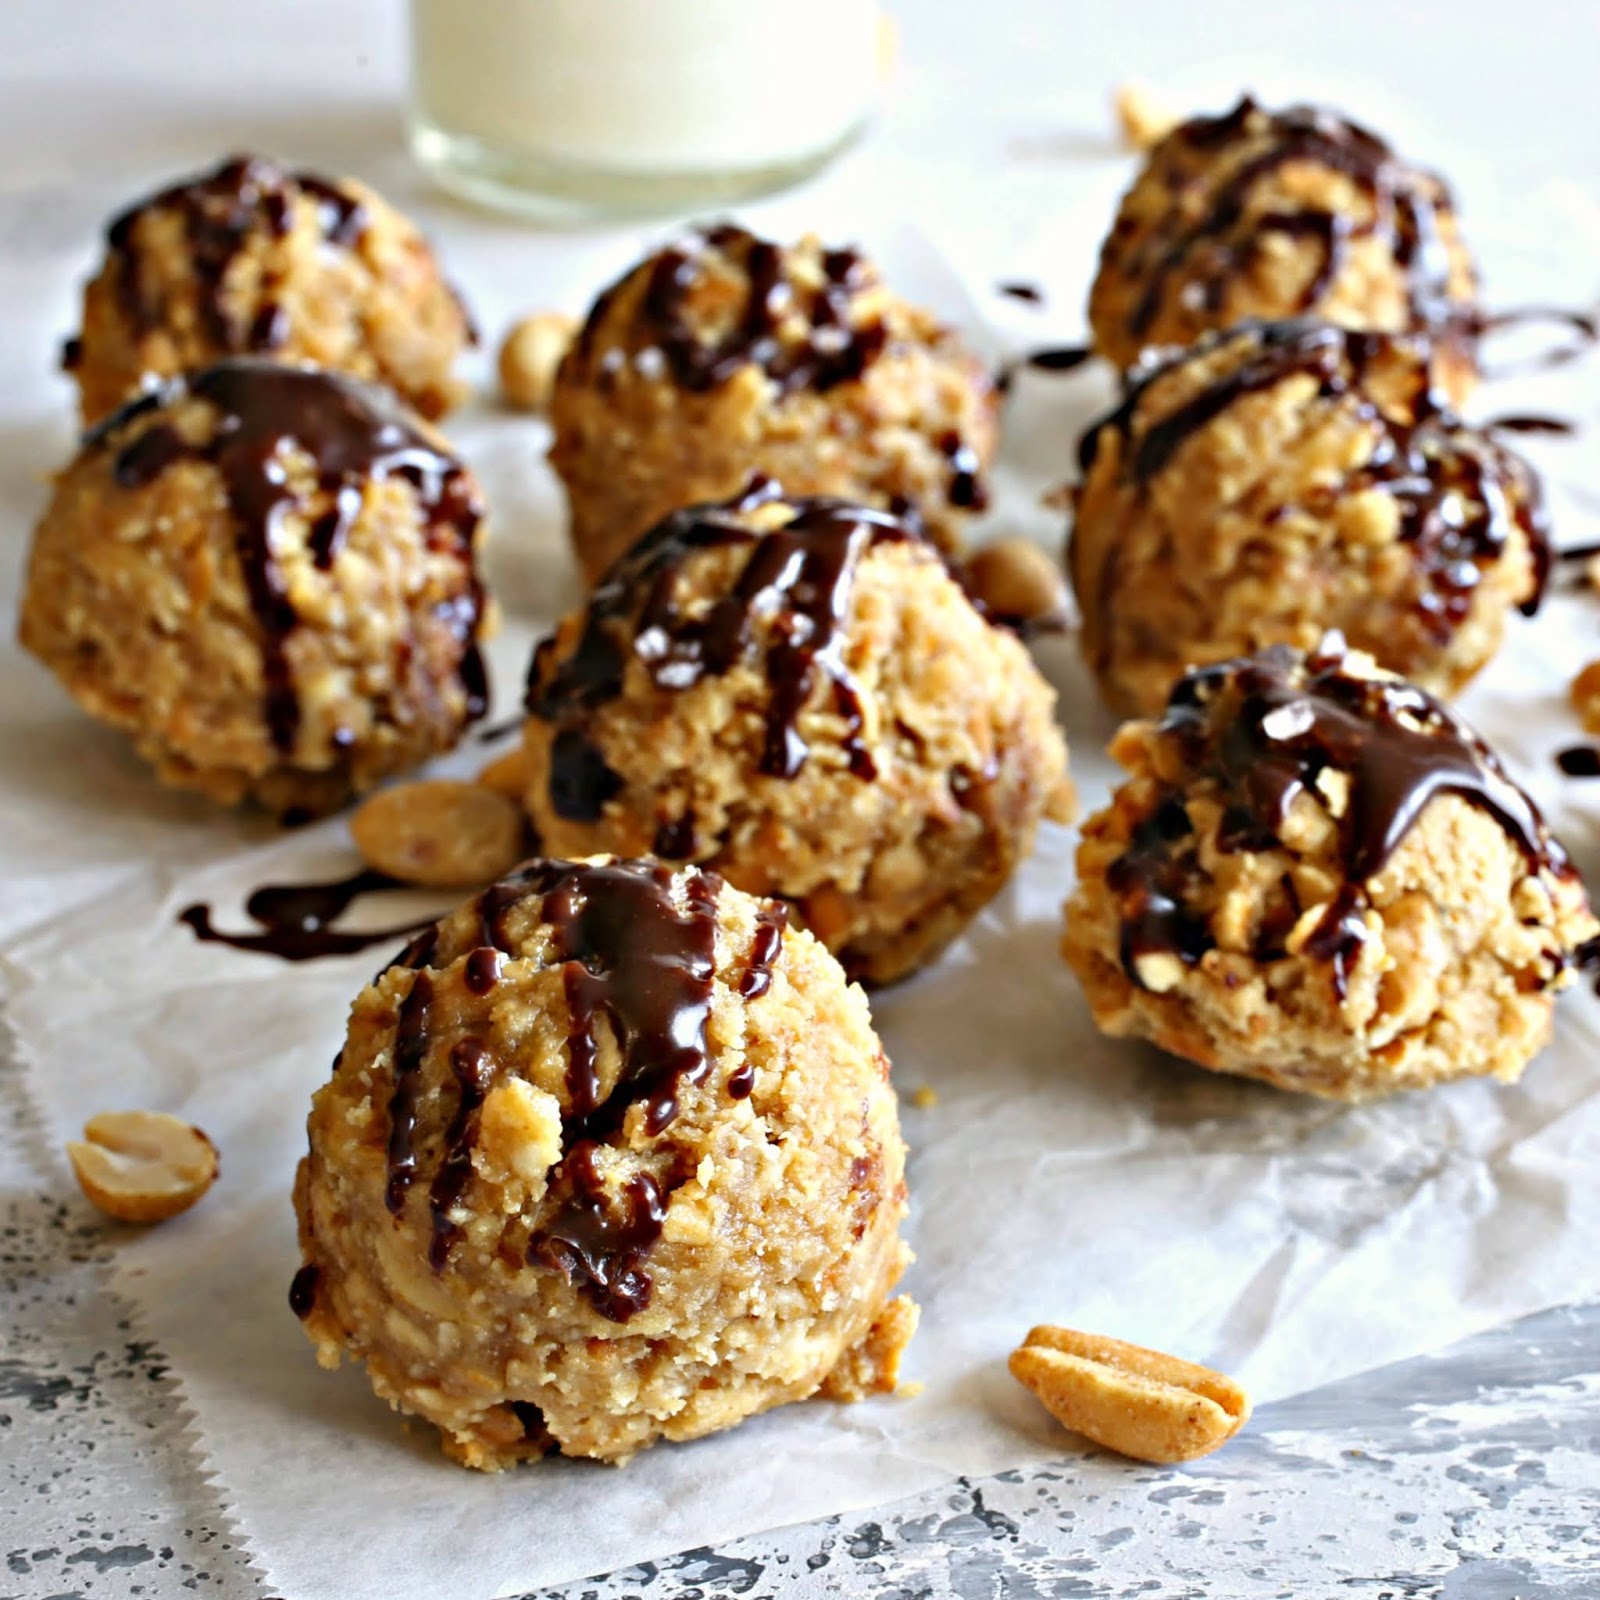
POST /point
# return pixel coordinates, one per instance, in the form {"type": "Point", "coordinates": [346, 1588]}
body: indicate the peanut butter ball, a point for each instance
{"type": "Point", "coordinates": [1281, 479]}
{"type": "Point", "coordinates": [724, 355]}
{"type": "Point", "coordinates": [610, 1156]}
{"type": "Point", "coordinates": [266, 575]}
{"type": "Point", "coordinates": [1316, 875]}
{"type": "Point", "coordinates": [253, 259]}
{"type": "Point", "coordinates": [1277, 214]}
{"type": "Point", "coordinates": [797, 693]}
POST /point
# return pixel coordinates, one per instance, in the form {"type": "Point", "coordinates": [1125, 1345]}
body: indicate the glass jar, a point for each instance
{"type": "Point", "coordinates": [574, 109]}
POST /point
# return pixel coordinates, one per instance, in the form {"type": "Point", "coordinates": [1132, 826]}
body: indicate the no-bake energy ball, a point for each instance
{"type": "Point", "coordinates": [609, 1156]}
{"type": "Point", "coordinates": [797, 693]}
{"type": "Point", "coordinates": [266, 575]}
{"type": "Point", "coordinates": [725, 355]}
{"type": "Point", "coordinates": [1281, 479]}
{"type": "Point", "coordinates": [1315, 875]}
{"type": "Point", "coordinates": [254, 259]}
{"type": "Point", "coordinates": [1275, 214]}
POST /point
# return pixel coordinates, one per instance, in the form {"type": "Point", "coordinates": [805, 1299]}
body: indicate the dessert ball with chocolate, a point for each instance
{"type": "Point", "coordinates": [610, 1156]}
{"type": "Point", "coordinates": [1281, 479]}
{"type": "Point", "coordinates": [1278, 214]}
{"type": "Point", "coordinates": [797, 693]}
{"type": "Point", "coordinates": [266, 575]}
{"type": "Point", "coordinates": [255, 259]}
{"type": "Point", "coordinates": [725, 355]}
{"type": "Point", "coordinates": [1314, 874]}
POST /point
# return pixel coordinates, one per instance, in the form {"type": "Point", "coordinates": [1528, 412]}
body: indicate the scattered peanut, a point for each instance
{"type": "Point", "coordinates": [529, 357]}
{"type": "Point", "coordinates": [1143, 118]}
{"type": "Point", "coordinates": [1591, 571]}
{"type": "Point", "coordinates": [142, 1166]}
{"type": "Point", "coordinates": [440, 834]}
{"type": "Point", "coordinates": [1061, 804]}
{"type": "Point", "coordinates": [1586, 697]}
{"type": "Point", "coordinates": [1016, 581]}
{"type": "Point", "coordinates": [1138, 1402]}
{"type": "Point", "coordinates": [1158, 972]}
{"type": "Point", "coordinates": [506, 775]}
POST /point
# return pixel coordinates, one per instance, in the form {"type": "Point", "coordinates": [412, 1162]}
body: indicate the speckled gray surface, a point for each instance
{"type": "Point", "coordinates": [1472, 1475]}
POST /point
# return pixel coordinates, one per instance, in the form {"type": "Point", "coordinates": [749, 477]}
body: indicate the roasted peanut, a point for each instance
{"type": "Point", "coordinates": [507, 775]}
{"type": "Point", "coordinates": [529, 357]}
{"type": "Point", "coordinates": [1143, 119]}
{"type": "Point", "coordinates": [1061, 804]}
{"type": "Point", "coordinates": [440, 834]}
{"type": "Point", "coordinates": [1586, 697]}
{"type": "Point", "coordinates": [1016, 581]}
{"type": "Point", "coordinates": [1138, 1402]}
{"type": "Point", "coordinates": [142, 1166]}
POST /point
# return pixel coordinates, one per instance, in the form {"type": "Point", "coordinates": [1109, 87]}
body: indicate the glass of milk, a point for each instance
{"type": "Point", "coordinates": [582, 109]}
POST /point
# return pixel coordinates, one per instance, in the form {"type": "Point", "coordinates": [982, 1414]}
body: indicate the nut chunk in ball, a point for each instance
{"type": "Point", "coordinates": [1273, 214]}
{"type": "Point", "coordinates": [609, 1156]}
{"type": "Point", "coordinates": [267, 576]}
{"type": "Point", "coordinates": [797, 693]}
{"type": "Point", "coordinates": [725, 355]}
{"type": "Point", "coordinates": [1281, 479]}
{"type": "Point", "coordinates": [255, 259]}
{"type": "Point", "coordinates": [1317, 876]}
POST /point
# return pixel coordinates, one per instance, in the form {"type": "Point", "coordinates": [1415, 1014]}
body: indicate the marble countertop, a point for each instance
{"type": "Point", "coordinates": [1472, 1474]}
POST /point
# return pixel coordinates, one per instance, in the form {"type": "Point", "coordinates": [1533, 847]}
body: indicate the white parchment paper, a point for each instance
{"type": "Point", "coordinates": [1058, 1177]}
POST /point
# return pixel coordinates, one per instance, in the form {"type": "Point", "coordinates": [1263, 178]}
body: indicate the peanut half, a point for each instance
{"type": "Point", "coordinates": [1140, 1403]}
{"type": "Point", "coordinates": [1142, 117]}
{"type": "Point", "coordinates": [507, 774]}
{"type": "Point", "coordinates": [439, 833]}
{"type": "Point", "coordinates": [529, 357]}
{"type": "Point", "coordinates": [1017, 583]}
{"type": "Point", "coordinates": [142, 1166]}
{"type": "Point", "coordinates": [1586, 697]}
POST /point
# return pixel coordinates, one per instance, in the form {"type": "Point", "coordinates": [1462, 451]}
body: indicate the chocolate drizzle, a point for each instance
{"type": "Point", "coordinates": [645, 968]}
{"type": "Point", "coordinates": [600, 1239]}
{"type": "Point", "coordinates": [636, 947]}
{"type": "Point", "coordinates": [796, 583]}
{"type": "Point", "coordinates": [296, 919]}
{"type": "Point", "coordinates": [472, 1068]}
{"type": "Point", "coordinates": [771, 920]}
{"type": "Point", "coordinates": [1580, 761]}
{"type": "Point", "coordinates": [1519, 422]}
{"type": "Point", "coordinates": [353, 434]}
{"type": "Point", "coordinates": [482, 970]}
{"type": "Point", "coordinates": [1583, 325]}
{"type": "Point", "coordinates": [1459, 491]}
{"type": "Point", "coordinates": [1261, 732]}
{"type": "Point", "coordinates": [633, 959]}
{"type": "Point", "coordinates": [303, 1290]}
{"type": "Point", "coordinates": [1207, 247]}
{"type": "Point", "coordinates": [498, 730]}
{"type": "Point", "coordinates": [675, 839]}
{"type": "Point", "coordinates": [342, 215]}
{"type": "Point", "coordinates": [410, 1050]}
{"type": "Point", "coordinates": [246, 197]}
{"type": "Point", "coordinates": [1059, 358]}
{"type": "Point", "coordinates": [1575, 554]}
{"type": "Point", "coordinates": [831, 347]}
{"type": "Point", "coordinates": [967, 489]}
